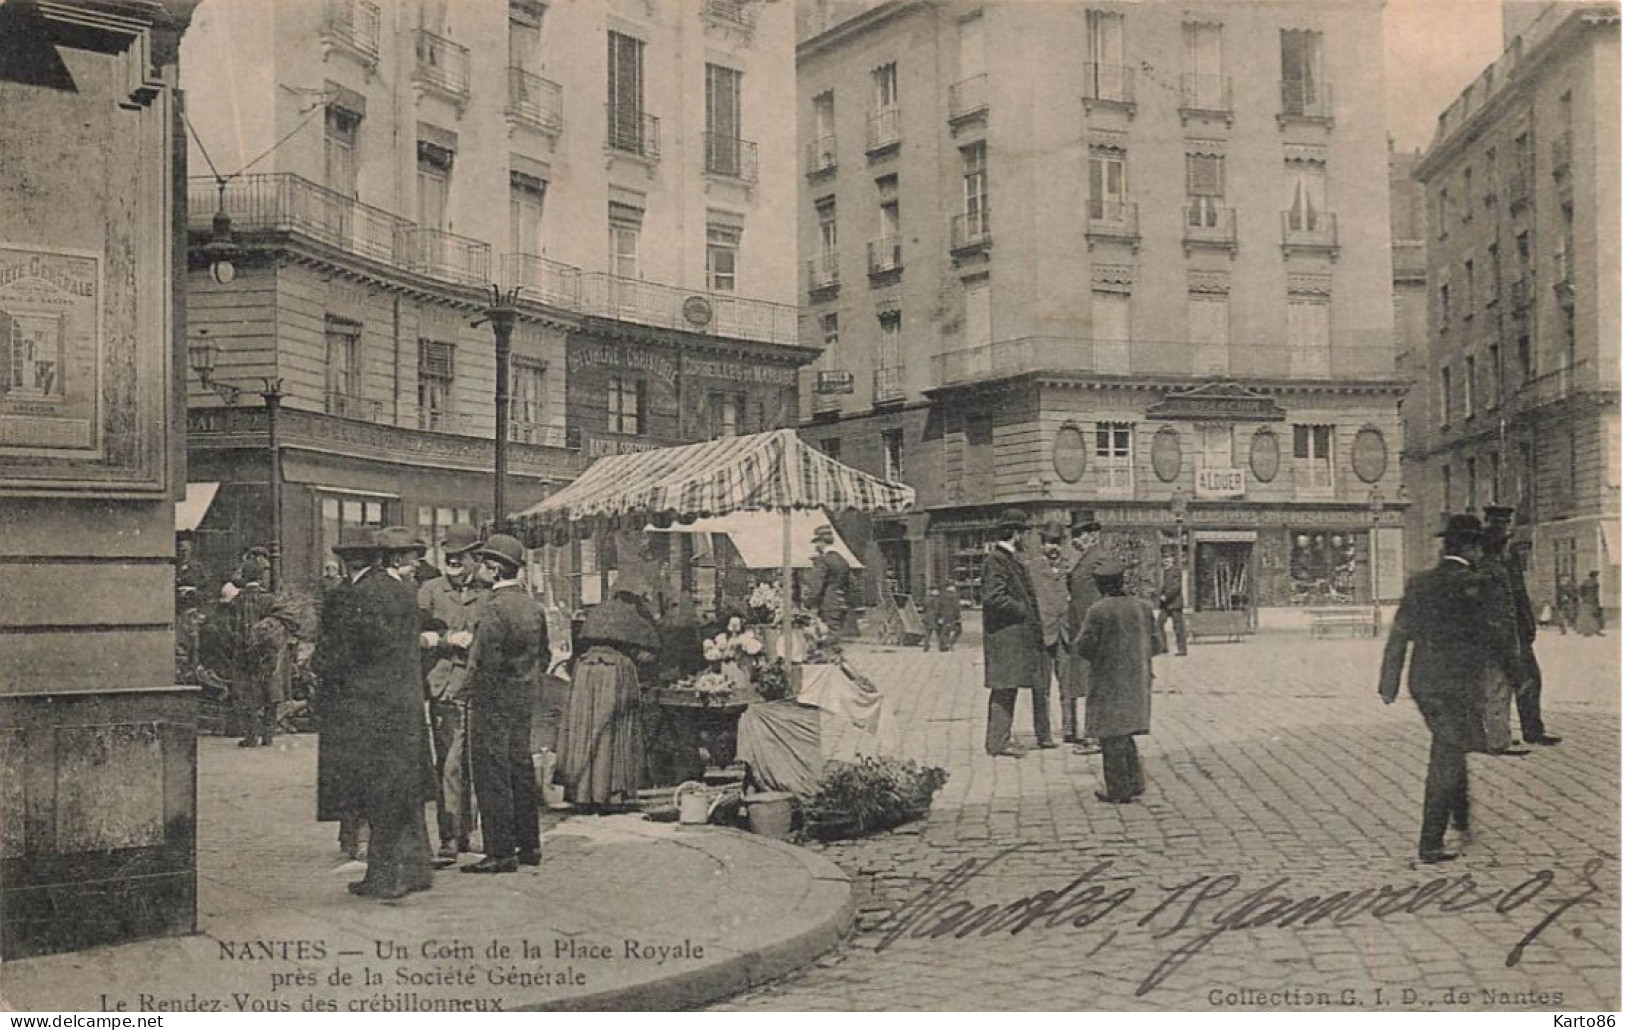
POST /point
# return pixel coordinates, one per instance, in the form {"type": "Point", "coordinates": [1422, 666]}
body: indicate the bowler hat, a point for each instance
{"type": "Point", "coordinates": [1012, 517]}
{"type": "Point", "coordinates": [461, 537]}
{"type": "Point", "coordinates": [1054, 529]}
{"type": "Point", "coordinates": [505, 549]}
{"type": "Point", "coordinates": [399, 538]}
{"type": "Point", "coordinates": [1084, 521]}
{"type": "Point", "coordinates": [1462, 527]}
{"type": "Point", "coordinates": [824, 532]}
{"type": "Point", "coordinates": [356, 540]}
{"type": "Point", "coordinates": [1498, 511]}
{"type": "Point", "coordinates": [1109, 568]}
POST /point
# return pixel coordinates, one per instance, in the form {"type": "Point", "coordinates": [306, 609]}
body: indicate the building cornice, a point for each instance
{"type": "Point", "coordinates": [792, 355]}
{"type": "Point", "coordinates": [1064, 379]}
{"type": "Point", "coordinates": [834, 36]}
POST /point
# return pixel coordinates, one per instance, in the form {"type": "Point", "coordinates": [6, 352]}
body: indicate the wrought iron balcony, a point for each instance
{"type": "Point", "coordinates": [821, 155]}
{"type": "Point", "coordinates": [535, 101]}
{"type": "Point", "coordinates": [633, 132]}
{"type": "Point", "coordinates": [1308, 230]}
{"type": "Point", "coordinates": [1352, 358]}
{"type": "Point", "coordinates": [970, 232]}
{"type": "Point", "coordinates": [352, 25]}
{"type": "Point", "coordinates": [449, 256]}
{"type": "Point", "coordinates": [740, 14]}
{"type": "Point", "coordinates": [1305, 100]}
{"type": "Point", "coordinates": [540, 279]}
{"type": "Point", "coordinates": [824, 272]}
{"type": "Point", "coordinates": [1209, 225]}
{"type": "Point", "coordinates": [1204, 95]}
{"type": "Point", "coordinates": [672, 307]}
{"type": "Point", "coordinates": [1113, 220]}
{"type": "Point", "coordinates": [967, 98]}
{"type": "Point", "coordinates": [442, 65]}
{"type": "Point", "coordinates": [730, 157]}
{"type": "Point", "coordinates": [346, 405]}
{"type": "Point", "coordinates": [888, 384]}
{"type": "Point", "coordinates": [287, 203]}
{"type": "Point", "coordinates": [885, 128]}
{"type": "Point", "coordinates": [885, 255]}
{"type": "Point", "coordinates": [1108, 84]}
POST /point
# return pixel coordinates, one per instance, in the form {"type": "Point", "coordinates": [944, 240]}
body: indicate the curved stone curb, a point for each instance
{"type": "Point", "coordinates": [820, 922]}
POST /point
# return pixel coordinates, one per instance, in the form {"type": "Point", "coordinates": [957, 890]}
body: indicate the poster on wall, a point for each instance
{"type": "Point", "coordinates": [50, 351]}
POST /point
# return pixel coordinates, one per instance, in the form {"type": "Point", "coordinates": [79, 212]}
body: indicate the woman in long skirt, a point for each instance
{"type": "Point", "coordinates": [1589, 621]}
{"type": "Point", "coordinates": [601, 760]}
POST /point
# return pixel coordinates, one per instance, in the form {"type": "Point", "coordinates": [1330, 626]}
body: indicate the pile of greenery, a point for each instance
{"type": "Point", "coordinates": [854, 798]}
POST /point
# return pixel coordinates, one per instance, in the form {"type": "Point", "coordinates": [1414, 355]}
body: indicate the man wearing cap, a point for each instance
{"type": "Point", "coordinates": [1524, 680]}
{"type": "Point", "coordinates": [505, 666]}
{"type": "Point", "coordinates": [1012, 638]}
{"type": "Point", "coordinates": [829, 582]}
{"type": "Point", "coordinates": [1082, 593]}
{"type": "Point", "coordinates": [1455, 631]}
{"type": "Point", "coordinates": [1118, 638]}
{"type": "Point", "coordinates": [449, 605]}
{"type": "Point", "coordinates": [1050, 575]}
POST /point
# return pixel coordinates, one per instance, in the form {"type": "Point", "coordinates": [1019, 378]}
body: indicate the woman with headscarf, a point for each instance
{"type": "Point", "coordinates": [601, 760]}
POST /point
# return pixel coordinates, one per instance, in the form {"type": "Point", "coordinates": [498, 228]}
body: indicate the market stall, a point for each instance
{"type": "Point", "coordinates": [737, 484]}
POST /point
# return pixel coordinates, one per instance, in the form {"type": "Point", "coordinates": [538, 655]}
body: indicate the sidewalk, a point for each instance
{"type": "Point", "coordinates": [621, 914]}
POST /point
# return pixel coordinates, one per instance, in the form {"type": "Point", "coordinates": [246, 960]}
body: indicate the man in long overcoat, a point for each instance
{"type": "Point", "coordinates": [449, 605]}
{"type": "Point", "coordinates": [1119, 638]}
{"type": "Point", "coordinates": [1500, 561]}
{"type": "Point", "coordinates": [340, 768]}
{"type": "Point", "coordinates": [829, 582]}
{"type": "Point", "coordinates": [254, 680]}
{"type": "Point", "coordinates": [1082, 593]}
{"type": "Point", "coordinates": [1050, 572]}
{"type": "Point", "coordinates": [1454, 631]}
{"type": "Point", "coordinates": [1012, 637]}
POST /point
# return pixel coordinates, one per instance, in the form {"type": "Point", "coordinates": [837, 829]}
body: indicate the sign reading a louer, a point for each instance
{"type": "Point", "coordinates": [50, 351]}
{"type": "Point", "coordinates": [1215, 483]}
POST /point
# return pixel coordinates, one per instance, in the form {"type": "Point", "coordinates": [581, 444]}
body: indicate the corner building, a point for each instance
{"type": "Point", "coordinates": [1522, 184]}
{"type": "Point", "coordinates": [625, 165]}
{"type": "Point", "coordinates": [1133, 258]}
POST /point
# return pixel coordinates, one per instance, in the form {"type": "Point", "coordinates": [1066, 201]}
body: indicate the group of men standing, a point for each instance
{"type": "Point", "coordinates": [1068, 617]}
{"type": "Point", "coordinates": [1469, 629]}
{"type": "Point", "coordinates": [379, 761]}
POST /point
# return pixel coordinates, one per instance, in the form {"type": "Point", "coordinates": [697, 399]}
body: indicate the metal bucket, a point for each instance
{"type": "Point", "coordinates": [769, 813]}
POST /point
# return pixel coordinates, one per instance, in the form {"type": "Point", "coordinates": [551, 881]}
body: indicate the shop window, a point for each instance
{"type": "Point", "coordinates": [1322, 568]}
{"type": "Point", "coordinates": [727, 414]}
{"type": "Point", "coordinates": [628, 405]}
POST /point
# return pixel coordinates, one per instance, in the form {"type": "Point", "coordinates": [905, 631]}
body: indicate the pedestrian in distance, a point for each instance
{"type": "Point", "coordinates": [449, 606]}
{"type": "Point", "coordinates": [1051, 571]}
{"type": "Point", "coordinates": [1524, 678]}
{"type": "Point", "coordinates": [254, 678]}
{"type": "Point", "coordinates": [1589, 621]}
{"type": "Point", "coordinates": [1119, 639]}
{"type": "Point", "coordinates": [1568, 603]}
{"type": "Point", "coordinates": [950, 616]}
{"type": "Point", "coordinates": [829, 582]}
{"type": "Point", "coordinates": [931, 616]}
{"type": "Point", "coordinates": [1082, 593]}
{"type": "Point", "coordinates": [1453, 629]}
{"type": "Point", "coordinates": [507, 659]}
{"type": "Point", "coordinates": [1012, 638]}
{"type": "Point", "coordinates": [1171, 603]}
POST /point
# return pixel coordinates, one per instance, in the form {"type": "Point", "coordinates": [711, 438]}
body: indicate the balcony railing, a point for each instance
{"type": "Point", "coordinates": [288, 203]}
{"type": "Point", "coordinates": [1204, 94]}
{"type": "Point", "coordinates": [1309, 230]}
{"type": "Point", "coordinates": [885, 128]}
{"type": "Point", "coordinates": [888, 384]}
{"type": "Point", "coordinates": [446, 255]}
{"type": "Point", "coordinates": [542, 280]}
{"type": "Point", "coordinates": [535, 101]}
{"type": "Point", "coordinates": [1108, 83]}
{"type": "Point", "coordinates": [885, 255]}
{"type": "Point", "coordinates": [1207, 224]}
{"type": "Point", "coordinates": [353, 25]}
{"type": "Point", "coordinates": [821, 155]}
{"type": "Point", "coordinates": [438, 421]}
{"type": "Point", "coordinates": [823, 272]}
{"type": "Point", "coordinates": [730, 157]}
{"type": "Point", "coordinates": [970, 231]}
{"type": "Point", "coordinates": [672, 307]}
{"type": "Point", "coordinates": [346, 405]}
{"type": "Point", "coordinates": [1353, 360]}
{"type": "Point", "coordinates": [442, 65]}
{"type": "Point", "coordinates": [633, 132]}
{"type": "Point", "coordinates": [1114, 219]}
{"type": "Point", "coordinates": [1306, 99]}
{"type": "Point", "coordinates": [538, 434]}
{"type": "Point", "coordinates": [967, 97]}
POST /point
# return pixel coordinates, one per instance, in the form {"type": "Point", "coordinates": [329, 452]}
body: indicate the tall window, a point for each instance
{"type": "Point", "coordinates": [1472, 484]}
{"type": "Point", "coordinates": [527, 403]}
{"type": "Point", "coordinates": [436, 374]}
{"type": "Point", "coordinates": [1495, 477]}
{"type": "Point", "coordinates": [1204, 185]}
{"type": "Point", "coordinates": [434, 184]}
{"type": "Point", "coordinates": [891, 441]}
{"type": "Point", "coordinates": [1445, 487]}
{"type": "Point", "coordinates": [1312, 453]}
{"type": "Point", "coordinates": [1444, 209]}
{"type": "Point", "coordinates": [1108, 185]}
{"type": "Point", "coordinates": [1114, 457]}
{"type": "Point", "coordinates": [975, 161]}
{"type": "Point", "coordinates": [1217, 444]}
{"type": "Point", "coordinates": [1492, 288]}
{"type": "Point", "coordinates": [885, 86]}
{"type": "Point", "coordinates": [1210, 332]}
{"type": "Point", "coordinates": [891, 341]}
{"type": "Point", "coordinates": [727, 414]}
{"type": "Point", "coordinates": [1306, 195]}
{"type": "Point", "coordinates": [524, 35]}
{"type": "Point", "coordinates": [888, 253]}
{"type": "Point", "coordinates": [343, 365]}
{"type": "Point", "coordinates": [1444, 305]}
{"type": "Point", "coordinates": [722, 258]}
{"type": "Point", "coordinates": [1309, 335]}
{"type": "Point", "coordinates": [1467, 194]}
{"type": "Point", "coordinates": [722, 120]}
{"type": "Point", "coordinates": [525, 196]}
{"type": "Point", "coordinates": [1204, 67]}
{"type": "Point", "coordinates": [625, 93]}
{"type": "Point", "coordinates": [343, 129]}
{"type": "Point", "coordinates": [828, 240]}
{"type": "Point", "coordinates": [625, 233]}
{"type": "Point", "coordinates": [1526, 357]}
{"type": "Point", "coordinates": [1469, 387]}
{"type": "Point", "coordinates": [1469, 289]}
{"type": "Point", "coordinates": [1109, 313]}
{"type": "Point", "coordinates": [628, 405]}
{"type": "Point", "coordinates": [1105, 77]}
{"type": "Point", "coordinates": [972, 47]}
{"type": "Point", "coordinates": [829, 329]}
{"type": "Point", "coordinates": [1447, 399]}
{"type": "Point", "coordinates": [823, 131]}
{"type": "Point", "coordinates": [1301, 71]}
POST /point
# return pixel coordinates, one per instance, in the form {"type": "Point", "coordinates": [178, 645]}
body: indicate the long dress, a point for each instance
{"type": "Point", "coordinates": [602, 759]}
{"type": "Point", "coordinates": [1589, 622]}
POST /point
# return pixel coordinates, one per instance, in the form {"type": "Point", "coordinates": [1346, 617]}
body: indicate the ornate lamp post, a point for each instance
{"type": "Point", "coordinates": [502, 314]}
{"type": "Point", "coordinates": [1377, 501]}
{"type": "Point", "coordinates": [201, 355]}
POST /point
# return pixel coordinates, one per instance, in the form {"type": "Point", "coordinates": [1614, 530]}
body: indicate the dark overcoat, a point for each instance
{"type": "Point", "coordinates": [510, 652]}
{"type": "Point", "coordinates": [829, 588]}
{"type": "Point", "coordinates": [1082, 593]}
{"type": "Point", "coordinates": [1455, 631]}
{"type": "Point", "coordinates": [1118, 639]}
{"type": "Point", "coordinates": [1012, 633]}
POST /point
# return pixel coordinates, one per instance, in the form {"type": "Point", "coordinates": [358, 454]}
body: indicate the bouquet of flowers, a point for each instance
{"type": "Point", "coordinates": [766, 604]}
{"type": "Point", "coordinates": [711, 684]}
{"type": "Point", "coordinates": [733, 643]}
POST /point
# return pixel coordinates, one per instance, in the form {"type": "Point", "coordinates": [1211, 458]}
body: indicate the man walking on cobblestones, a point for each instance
{"type": "Point", "coordinates": [1119, 638]}
{"type": "Point", "coordinates": [1449, 621]}
{"type": "Point", "coordinates": [1524, 677]}
{"type": "Point", "coordinates": [1012, 639]}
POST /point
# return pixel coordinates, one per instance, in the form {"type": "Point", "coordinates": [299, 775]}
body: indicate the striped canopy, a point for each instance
{"type": "Point", "coordinates": [776, 470]}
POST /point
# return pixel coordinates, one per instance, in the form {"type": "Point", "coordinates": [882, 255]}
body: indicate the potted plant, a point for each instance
{"type": "Point", "coordinates": [874, 793]}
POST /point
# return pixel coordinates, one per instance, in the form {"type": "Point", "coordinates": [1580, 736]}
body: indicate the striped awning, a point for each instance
{"type": "Point", "coordinates": [773, 471]}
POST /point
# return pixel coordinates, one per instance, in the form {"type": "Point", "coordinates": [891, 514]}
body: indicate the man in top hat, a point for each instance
{"type": "Point", "coordinates": [505, 667]}
{"type": "Point", "coordinates": [1082, 593]}
{"type": "Point", "coordinates": [1118, 638]}
{"type": "Point", "coordinates": [449, 607]}
{"type": "Point", "coordinates": [829, 582]}
{"type": "Point", "coordinates": [1012, 637]}
{"type": "Point", "coordinates": [1501, 563]}
{"type": "Point", "coordinates": [1051, 572]}
{"type": "Point", "coordinates": [1455, 630]}
{"type": "Point", "coordinates": [341, 772]}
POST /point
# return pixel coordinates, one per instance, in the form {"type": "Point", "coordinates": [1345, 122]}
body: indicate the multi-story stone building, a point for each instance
{"type": "Point", "coordinates": [1132, 258]}
{"type": "Point", "coordinates": [628, 166]}
{"type": "Point", "coordinates": [1522, 181]}
{"type": "Point", "coordinates": [1407, 210]}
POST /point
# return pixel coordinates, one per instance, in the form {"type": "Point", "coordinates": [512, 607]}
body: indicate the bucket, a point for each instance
{"type": "Point", "coordinates": [693, 804]}
{"type": "Point", "coordinates": [769, 813]}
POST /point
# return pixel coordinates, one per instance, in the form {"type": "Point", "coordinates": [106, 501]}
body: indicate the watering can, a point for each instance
{"type": "Point", "coordinates": [693, 804]}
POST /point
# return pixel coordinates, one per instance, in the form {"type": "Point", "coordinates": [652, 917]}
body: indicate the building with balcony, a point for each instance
{"type": "Point", "coordinates": [1175, 320]}
{"type": "Point", "coordinates": [1407, 207]}
{"type": "Point", "coordinates": [1522, 354]}
{"type": "Point", "coordinates": [627, 167]}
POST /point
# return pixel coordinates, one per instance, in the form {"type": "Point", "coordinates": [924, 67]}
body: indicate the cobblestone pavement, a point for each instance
{"type": "Point", "coordinates": [1274, 775]}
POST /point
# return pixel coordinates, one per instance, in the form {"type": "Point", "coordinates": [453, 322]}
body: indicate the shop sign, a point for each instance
{"type": "Point", "coordinates": [833, 383]}
{"type": "Point", "coordinates": [740, 372]}
{"type": "Point", "coordinates": [1217, 402]}
{"type": "Point", "coordinates": [616, 355]}
{"type": "Point", "coordinates": [1214, 483]}
{"type": "Point", "coordinates": [606, 446]}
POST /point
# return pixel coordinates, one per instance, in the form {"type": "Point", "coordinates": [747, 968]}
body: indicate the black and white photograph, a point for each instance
{"type": "Point", "coordinates": [784, 506]}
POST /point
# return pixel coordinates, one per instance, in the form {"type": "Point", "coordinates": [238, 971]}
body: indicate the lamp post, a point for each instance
{"type": "Point", "coordinates": [201, 355]}
{"type": "Point", "coordinates": [502, 314]}
{"type": "Point", "coordinates": [1377, 501]}
{"type": "Point", "coordinates": [1179, 504]}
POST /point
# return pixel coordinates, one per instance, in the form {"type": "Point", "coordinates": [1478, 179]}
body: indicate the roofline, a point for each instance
{"type": "Point", "coordinates": [841, 31]}
{"type": "Point", "coordinates": [1087, 380]}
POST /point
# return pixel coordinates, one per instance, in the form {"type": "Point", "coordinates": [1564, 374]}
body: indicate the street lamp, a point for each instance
{"type": "Point", "coordinates": [502, 314]}
{"type": "Point", "coordinates": [1179, 504]}
{"type": "Point", "coordinates": [1377, 501]}
{"type": "Point", "coordinates": [222, 246]}
{"type": "Point", "coordinates": [202, 355]}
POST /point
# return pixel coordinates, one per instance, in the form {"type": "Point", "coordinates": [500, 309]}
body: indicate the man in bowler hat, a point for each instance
{"type": "Point", "coordinates": [1500, 562]}
{"type": "Point", "coordinates": [449, 605]}
{"type": "Point", "coordinates": [1082, 593]}
{"type": "Point", "coordinates": [1012, 637]}
{"type": "Point", "coordinates": [1454, 630]}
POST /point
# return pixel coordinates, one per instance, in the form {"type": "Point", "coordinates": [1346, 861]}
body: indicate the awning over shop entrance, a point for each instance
{"type": "Point", "coordinates": [759, 536]}
{"type": "Point", "coordinates": [189, 513]}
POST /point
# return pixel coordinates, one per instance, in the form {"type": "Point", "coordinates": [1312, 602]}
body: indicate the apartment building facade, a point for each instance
{"type": "Point", "coordinates": [1522, 184]}
{"type": "Point", "coordinates": [1129, 258]}
{"type": "Point", "coordinates": [624, 166]}
{"type": "Point", "coordinates": [1408, 220]}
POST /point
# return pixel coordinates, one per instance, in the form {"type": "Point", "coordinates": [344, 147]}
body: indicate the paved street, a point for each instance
{"type": "Point", "coordinates": [1275, 776]}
